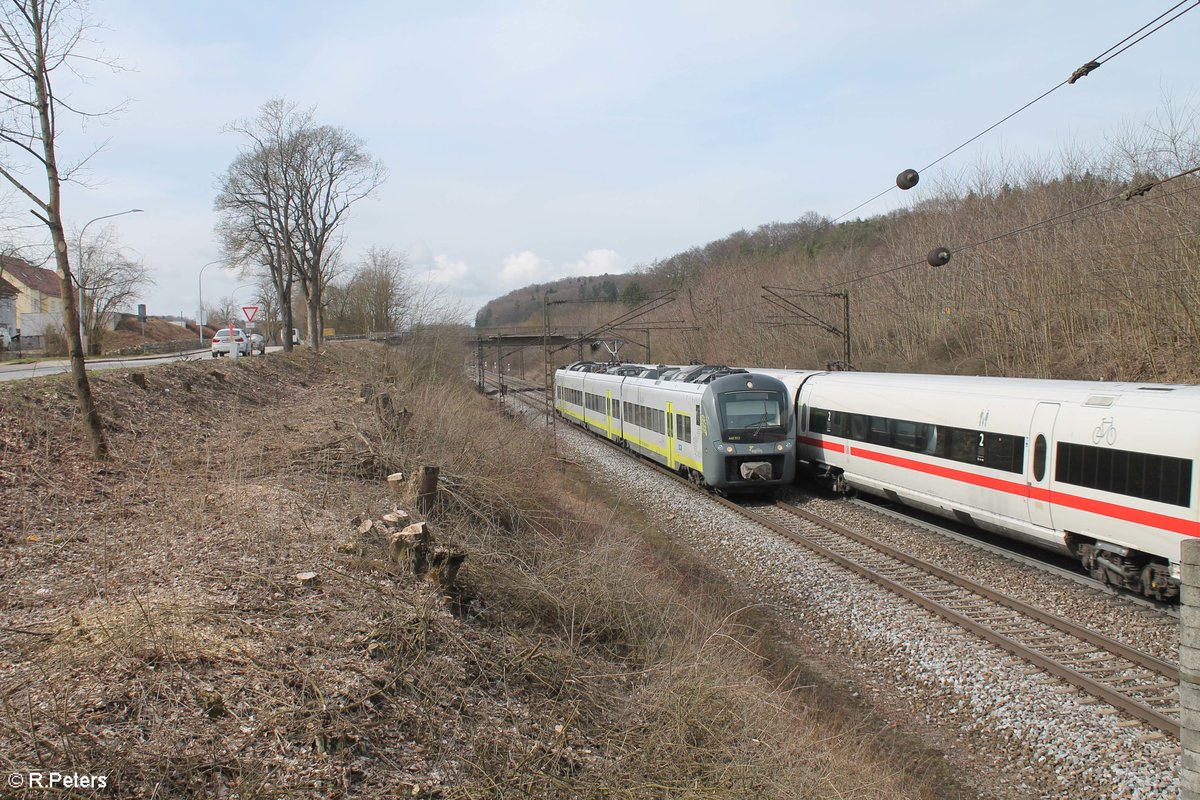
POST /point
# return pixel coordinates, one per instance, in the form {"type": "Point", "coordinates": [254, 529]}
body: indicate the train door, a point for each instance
{"type": "Point", "coordinates": [1038, 464]}
{"type": "Point", "coordinates": [608, 413]}
{"type": "Point", "coordinates": [671, 462]}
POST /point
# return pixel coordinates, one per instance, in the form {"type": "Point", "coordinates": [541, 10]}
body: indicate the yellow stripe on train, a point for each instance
{"type": "Point", "coordinates": [651, 446]}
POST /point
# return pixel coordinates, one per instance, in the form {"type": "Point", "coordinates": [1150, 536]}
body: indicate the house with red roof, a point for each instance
{"type": "Point", "coordinates": [38, 303]}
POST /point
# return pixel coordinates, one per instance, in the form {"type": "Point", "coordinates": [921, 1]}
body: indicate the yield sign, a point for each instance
{"type": "Point", "coordinates": [249, 311]}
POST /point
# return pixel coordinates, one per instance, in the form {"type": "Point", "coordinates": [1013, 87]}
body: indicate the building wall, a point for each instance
{"type": "Point", "coordinates": [31, 301]}
{"type": "Point", "coordinates": [8, 314]}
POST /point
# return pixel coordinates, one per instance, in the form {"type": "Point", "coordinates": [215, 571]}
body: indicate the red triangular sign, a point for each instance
{"type": "Point", "coordinates": [249, 311]}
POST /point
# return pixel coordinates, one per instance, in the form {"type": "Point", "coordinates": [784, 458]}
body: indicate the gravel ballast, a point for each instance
{"type": "Point", "coordinates": [990, 712]}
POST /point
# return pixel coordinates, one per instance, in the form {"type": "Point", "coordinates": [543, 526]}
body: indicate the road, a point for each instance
{"type": "Point", "coordinates": [40, 369]}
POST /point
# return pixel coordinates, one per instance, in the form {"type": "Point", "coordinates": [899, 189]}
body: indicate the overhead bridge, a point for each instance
{"type": "Point", "coordinates": [517, 339]}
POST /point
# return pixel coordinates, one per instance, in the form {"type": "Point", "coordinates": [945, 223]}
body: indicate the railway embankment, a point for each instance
{"type": "Point", "coordinates": [207, 614]}
{"type": "Point", "coordinates": [1029, 733]}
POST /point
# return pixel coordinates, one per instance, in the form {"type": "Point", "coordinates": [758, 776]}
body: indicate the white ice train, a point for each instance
{"type": "Point", "coordinates": [733, 433]}
{"type": "Point", "coordinates": [1103, 471]}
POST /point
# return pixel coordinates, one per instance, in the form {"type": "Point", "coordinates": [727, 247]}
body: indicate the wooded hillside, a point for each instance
{"type": "Point", "coordinates": [1065, 270]}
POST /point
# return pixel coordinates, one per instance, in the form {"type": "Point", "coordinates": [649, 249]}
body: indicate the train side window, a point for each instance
{"type": "Point", "coordinates": [818, 420]}
{"type": "Point", "coordinates": [683, 428]}
{"type": "Point", "coordinates": [860, 425]}
{"type": "Point", "coordinates": [1039, 458]}
{"type": "Point", "coordinates": [880, 432]}
{"type": "Point", "coordinates": [839, 423]}
{"type": "Point", "coordinates": [911, 436]}
{"type": "Point", "coordinates": [1003, 452]}
{"type": "Point", "coordinates": [1163, 479]}
{"type": "Point", "coordinates": [961, 445]}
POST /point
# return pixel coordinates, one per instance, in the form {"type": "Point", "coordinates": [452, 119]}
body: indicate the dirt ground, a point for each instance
{"type": "Point", "coordinates": [158, 629]}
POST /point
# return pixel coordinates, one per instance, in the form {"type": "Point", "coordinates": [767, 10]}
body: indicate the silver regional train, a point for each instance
{"type": "Point", "coordinates": [1102, 471]}
{"type": "Point", "coordinates": [734, 432]}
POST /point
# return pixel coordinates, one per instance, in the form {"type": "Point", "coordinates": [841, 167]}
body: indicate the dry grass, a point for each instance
{"type": "Point", "coordinates": [154, 630]}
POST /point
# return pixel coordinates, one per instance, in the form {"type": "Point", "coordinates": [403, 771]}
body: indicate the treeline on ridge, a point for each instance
{"type": "Point", "coordinates": [1053, 274]}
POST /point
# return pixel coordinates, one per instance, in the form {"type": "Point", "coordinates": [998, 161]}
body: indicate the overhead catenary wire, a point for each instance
{"type": "Point", "coordinates": [1062, 218]}
{"type": "Point", "coordinates": [890, 304]}
{"type": "Point", "coordinates": [1127, 194]}
{"type": "Point", "coordinates": [1090, 66]}
{"type": "Point", "coordinates": [1086, 69]}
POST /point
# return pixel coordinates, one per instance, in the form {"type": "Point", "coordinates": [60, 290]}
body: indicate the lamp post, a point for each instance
{"type": "Point", "coordinates": [79, 252]}
{"type": "Point", "coordinates": [200, 292]}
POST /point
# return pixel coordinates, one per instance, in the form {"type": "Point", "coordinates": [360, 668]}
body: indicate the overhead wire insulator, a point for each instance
{"type": "Point", "coordinates": [908, 179]}
{"type": "Point", "coordinates": [1137, 191]}
{"type": "Point", "coordinates": [938, 257]}
{"type": "Point", "coordinates": [1084, 70]}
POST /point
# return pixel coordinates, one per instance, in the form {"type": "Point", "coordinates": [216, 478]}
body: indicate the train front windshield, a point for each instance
{"type": "Point", "coordinates": [753, 416]}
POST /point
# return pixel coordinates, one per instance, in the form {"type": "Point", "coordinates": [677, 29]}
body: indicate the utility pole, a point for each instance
{"type": "Point", "coordinates": [547, 381]}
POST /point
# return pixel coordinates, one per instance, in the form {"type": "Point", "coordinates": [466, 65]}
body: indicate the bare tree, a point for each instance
{"type": "Point", "coordinates": [38, 38]}
{"type": "Point", "coordinates": [385, 288]}
{"type": "Point", "coordinates": [257, 228]}
{"type": "Point", "coordinates": [269, 312]}
{"type": "Point", "coordinates": [285, 198]}
{"type": "Point", "coordinates": [375, 298]}
{"type": "Point", "coordinates": [111, 279]}
{"type": "Point", "coordinates": [333, 174]}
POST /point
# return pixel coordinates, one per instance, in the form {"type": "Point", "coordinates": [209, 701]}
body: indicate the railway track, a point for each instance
{"type": "Point", "coordinates": [1030, 556]}
{"type": "Point", "coordinates": [1131, 681]}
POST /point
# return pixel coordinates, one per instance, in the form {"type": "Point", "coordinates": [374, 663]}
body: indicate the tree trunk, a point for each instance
{"type": "Point", "coordinates": [53, 220]}
{"type": "Point", "coordinates": [287, 324]}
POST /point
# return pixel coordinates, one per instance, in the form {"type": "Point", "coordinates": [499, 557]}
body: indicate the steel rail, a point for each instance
{"type": "Point", "coordinates": [1102, 691]}
{"type": "Point", "coordinates": [1164, 668]}
{"type": "Point", "coordinates": [1095, 688]}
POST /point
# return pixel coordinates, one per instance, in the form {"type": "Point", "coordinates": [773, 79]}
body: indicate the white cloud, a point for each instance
{"type": "Point", "coordinates": [528, 267]}
{"type": "Point", "coordinates": [419, 255]}
{"type": "Point", "coordinates": [524, 267]}
{"type": "Point", "coordinates": [444, 270]}
{"type": "Point", "coordinates": [597, 262]}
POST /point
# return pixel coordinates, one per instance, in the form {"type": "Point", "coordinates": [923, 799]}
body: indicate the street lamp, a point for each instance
{"type": "Point", "coordinates": [79, 252]}
{"type": "Point", "coordinates": [200, 291]}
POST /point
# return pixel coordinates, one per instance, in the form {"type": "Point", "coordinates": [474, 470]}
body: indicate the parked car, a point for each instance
{"type": "Point", "coordinates": [257, 342]}
{"type": "Point", "coordinates": [222, 344]}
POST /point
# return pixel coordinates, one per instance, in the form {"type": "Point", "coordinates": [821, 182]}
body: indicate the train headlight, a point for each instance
{"type": "Point", "coordinates": [728, 448]}
{"type": "Point", "coordinates": [779, 447]}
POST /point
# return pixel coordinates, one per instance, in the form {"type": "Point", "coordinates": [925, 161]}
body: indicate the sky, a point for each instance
{"type": "Point", "coordinates": [530, 141]}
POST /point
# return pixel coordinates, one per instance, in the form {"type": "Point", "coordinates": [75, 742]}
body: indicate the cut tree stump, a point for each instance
{"type": "Point", "coordinates": [443, 567]}
{"type": "Point", "coordinates": [308, 580]}
{"type": "Point", "coordinates": [410, 547]}
{"type": "Point", "coordinates": [427, 491]}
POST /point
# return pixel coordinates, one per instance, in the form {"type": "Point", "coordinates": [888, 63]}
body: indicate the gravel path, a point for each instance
{"type": "Point", "coordinates": [990, 712]}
